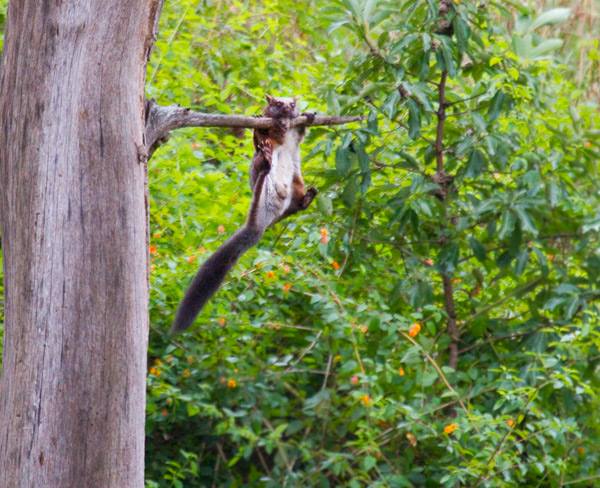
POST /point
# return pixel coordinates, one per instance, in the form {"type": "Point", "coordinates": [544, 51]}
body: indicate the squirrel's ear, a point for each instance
{"type": "Point", "coordinates": [269, 98]}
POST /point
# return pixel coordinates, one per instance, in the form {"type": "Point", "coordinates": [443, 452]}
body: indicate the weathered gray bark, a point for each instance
{"type": "Point", "coordinates": [74, 239]}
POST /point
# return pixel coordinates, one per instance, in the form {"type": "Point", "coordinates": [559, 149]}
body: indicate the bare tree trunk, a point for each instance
{"type": "Point", "coordinates": [73, 214]}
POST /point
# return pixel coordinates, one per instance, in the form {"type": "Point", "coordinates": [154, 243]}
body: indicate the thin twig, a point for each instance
{"type": "Point", "coordinates": [438, 370]}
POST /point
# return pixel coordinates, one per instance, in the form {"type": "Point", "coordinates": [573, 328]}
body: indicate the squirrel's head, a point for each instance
{"type": "Point", "coordinates": [281, 107]}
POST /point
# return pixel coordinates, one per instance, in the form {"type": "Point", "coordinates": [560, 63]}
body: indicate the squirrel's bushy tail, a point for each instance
{"type": "Point", "coordinates": [211, 275]}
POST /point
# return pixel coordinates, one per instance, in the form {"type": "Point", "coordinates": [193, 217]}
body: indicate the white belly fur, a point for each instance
{"type": "Point", "coordinates": [285, 163]}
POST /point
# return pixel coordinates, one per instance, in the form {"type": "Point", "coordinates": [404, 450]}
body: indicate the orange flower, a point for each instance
{"type": "Point", "coordinates": [354, 380]}
{"type": "Point", "coordinates": [401, 371]}
{"type": "Point", "coordinates": [324, 235]}
{"type": "Point", "coordinates": [152, 249]}
{"type": "Point", "coordinates": [428, 262]}
{"type": "Point", "coordinates": [364, 329]}
{"type": "Point", "coordinates": [231, 383]}
{"type": "Point", "coordinates": [366, 400]}
{"type": "Point", "coordinates": [221, 229]}
{"type": "Point", "coordinates": [164, 412]}
{"type": "Point", "coordinates": [551, 257]}
{"type": "Point", "coordinates": [510, 423]}
{"type": "Point", "coordinates": [414, 329]}
{"type": "Point", "coordinates": [448, 429]}
{"type": "Point", "coordinates": [191, 259]}
{"type": "Point", "coordinates": [157, 235]}
{"type": "Point", "coordinates": [221, 321]}
{"type": "Point", "coordinates": [154, 371]}
{"type": "Point", "coordinates": [287, 287]}
{"type": "Point", "coordinates": [186, 373]}
{"type": "Point", "coordinates": [335, 265]}
{"type": "Point", "coordinates": [581, 450]}
{"type": "Point", "coordinates": [411, 439]}
{"type": "Point", "coordinates": [153, 267]}
{"type": "Point", "coordinates": [587, 144]}
{"type": "Point", "coordinates": [270, 275]}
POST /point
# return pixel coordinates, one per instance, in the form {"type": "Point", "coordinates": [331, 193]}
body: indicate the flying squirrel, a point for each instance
{"type": "Point", "coordinates": [277, 192]}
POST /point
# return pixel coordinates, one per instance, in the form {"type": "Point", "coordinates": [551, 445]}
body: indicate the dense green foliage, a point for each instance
{"type": "Point", "coordinates": [303, 371]}
{"type": "Point", "coordinates": [325, 358]}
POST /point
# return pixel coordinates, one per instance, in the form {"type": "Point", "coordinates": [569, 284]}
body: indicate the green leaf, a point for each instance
{"type": "Point", "coordinates": [462, 32]}
{"type": "Point", "coordinates": [507, 224]}
{"type": "Point", "coordinates": [325, 204]}
{"type": "Point", "coordinates": [478, 249]}
{"type": "Point", "coordinates": [525, 219]}
{"type": "Point", "coordinates": [414, 119]}
{"type": "Point", "coordinates": [369, 462]}
{"type": "Point", "coordinates": [448, 258]}
{"type": "Point", "coordinates": [553, 16]}
{"type": "Point", "coordinates": [477, 163]}
{"type": "Point", "coordinates": [342, 161]}
{"type": "Point", "coordinates": [390, 106]}
{"type": "Point", "coordinates": [496, 105]}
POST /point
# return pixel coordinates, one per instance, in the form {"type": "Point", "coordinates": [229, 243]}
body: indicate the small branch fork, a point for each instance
{"type": "Point", "coordinates": [160, 120]}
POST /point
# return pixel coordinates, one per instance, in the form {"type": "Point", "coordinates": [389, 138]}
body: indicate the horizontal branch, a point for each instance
{"type": "Point", "coordinates": [160, 120]}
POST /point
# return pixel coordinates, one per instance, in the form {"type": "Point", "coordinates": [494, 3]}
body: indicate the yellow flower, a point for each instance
{"type": "Point", "coordinates": [366, 400]}
{"type": "Point", "coordinates": [401, 371]}
{"type": "Point", "coordinates": [411, 439]}
{"type": "Point", "coordinates": [337, 358]}
{"type": "Point", "coordinates": [414, 329]}
{"type": "Point", "coordinates": [231, 383]}
{"type": "Point", "coordinates": [324, 235]}
{"type": "Point", "coordinates": [510, 423]}
{"type": "Point", "coordinates": [186, 373]}
{"type": "Point", "coordinates": [448, 429]}
{"type": "Point", "coordinates": [154, 371]}
{"type": "Point", "coordinates": [364, 329]}
{"type": "Point", "coordinates": [190, 359]}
